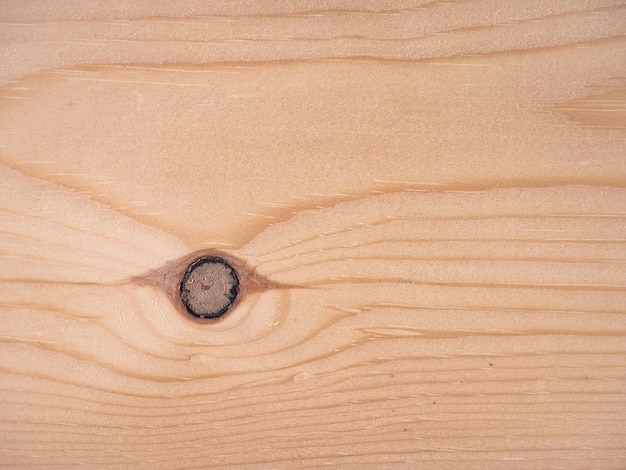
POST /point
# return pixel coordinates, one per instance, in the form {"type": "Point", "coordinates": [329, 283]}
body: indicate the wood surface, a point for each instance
{"type": "Point", "coordinates": [435, 193]}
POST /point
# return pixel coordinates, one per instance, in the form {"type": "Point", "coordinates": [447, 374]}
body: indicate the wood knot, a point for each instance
{"type": "Point", "coordinates": [209, 287]}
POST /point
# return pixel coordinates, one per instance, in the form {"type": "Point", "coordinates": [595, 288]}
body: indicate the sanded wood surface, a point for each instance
{"type": "Point", "coordinates": [431, 195]}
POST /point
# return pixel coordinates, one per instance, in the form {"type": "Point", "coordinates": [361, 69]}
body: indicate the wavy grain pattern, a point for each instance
{"type": "Point", "coordinates": [434, 191]}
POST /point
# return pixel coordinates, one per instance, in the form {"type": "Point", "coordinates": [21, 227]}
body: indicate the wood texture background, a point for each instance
{"type": "Point", "coordinates": [439, 187]}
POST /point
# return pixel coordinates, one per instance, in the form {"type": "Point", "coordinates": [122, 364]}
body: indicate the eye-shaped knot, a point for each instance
{"type": "Point", "coordinates": [205, 285]}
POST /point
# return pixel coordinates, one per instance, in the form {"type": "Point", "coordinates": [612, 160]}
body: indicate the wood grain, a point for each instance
{"type": "Point", "coordinates": [434, 192]}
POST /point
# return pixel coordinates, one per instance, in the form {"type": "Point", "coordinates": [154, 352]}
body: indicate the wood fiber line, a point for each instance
{"type": "Point", "coordinates": [444, 30]}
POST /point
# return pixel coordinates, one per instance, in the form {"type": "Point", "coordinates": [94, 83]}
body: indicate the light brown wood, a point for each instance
{"type": "Point", "coordinates": [431, 195]}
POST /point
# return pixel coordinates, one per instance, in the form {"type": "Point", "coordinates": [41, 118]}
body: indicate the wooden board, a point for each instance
{"type": "Point", "coordinates": [431, 196]}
